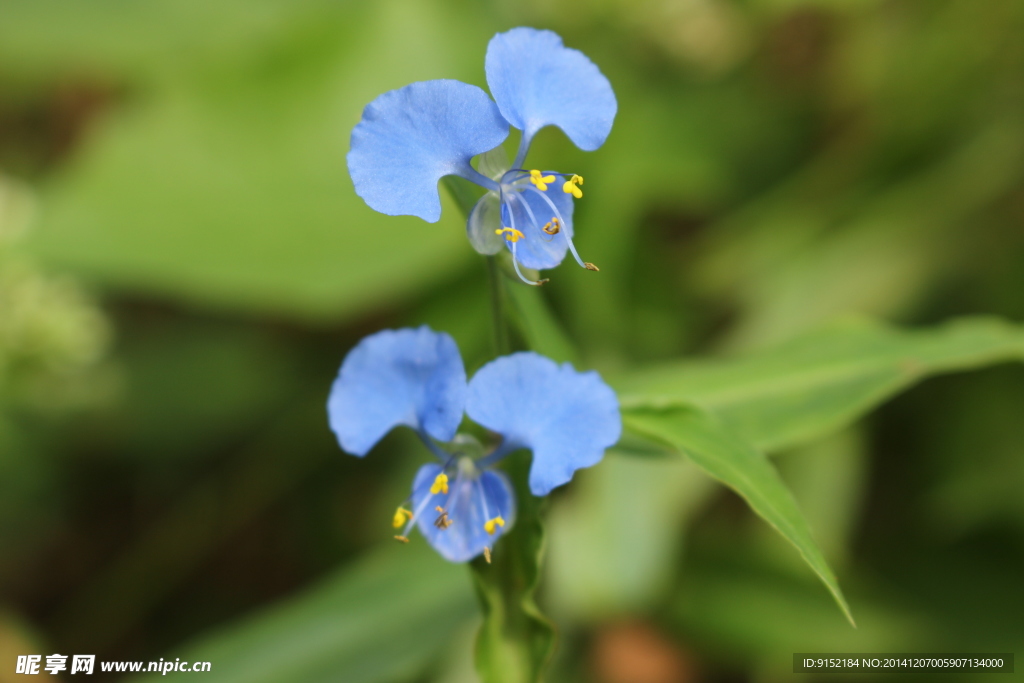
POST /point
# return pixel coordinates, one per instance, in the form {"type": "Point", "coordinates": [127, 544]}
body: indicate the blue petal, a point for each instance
{"type": "Point", "coordinates": [470, 501]}
{"type": "Point", "coordinates": [398, 377]}
{"type": "Point", "coordinates": [538, 82]}
{"type": "Point", "coordinates": [537, 249]}
{"type": "Point", "coordinates": [409, 138]}
{"type": "Point", "coordinates": [566, 418]}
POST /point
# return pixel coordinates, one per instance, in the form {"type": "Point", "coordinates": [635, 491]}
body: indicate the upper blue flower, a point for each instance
{"type": "Point", "coordinates": [416, 378]}
{"type": "Point", "coordinates": [408, 139]}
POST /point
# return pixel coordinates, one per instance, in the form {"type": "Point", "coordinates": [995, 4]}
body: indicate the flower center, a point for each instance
{"type": "Point", "coordinates": [515, 188]}
{"type": "Point", "coordinates": [458, 494]}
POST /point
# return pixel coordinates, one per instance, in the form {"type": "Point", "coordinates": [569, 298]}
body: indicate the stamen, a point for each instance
{"type": "Point", "coordinates": [401, 517]}
{"type": "Point", "coordinates": [440, 484]}
{"type": "Point", "coordinates": [515, 264]}
{"type": "Point", "coordinates": [552, 227]}
{"type": "Point", "coordinates": [541, 181]}
{"type": "Point", "coordinates": [489, 524]}
{"type": "Point", "coordinates": [515, 258]}
{"type": "Point", "coordinates": [570, 186]}
{"type": "Point", "coordinates": [511, 234]}
{"type": "Point", "coordinates": [403, 539]}
{"type": "Point", "coordinates": [442, 522]}
{"type": "Point", "coordinates": [558, 214]}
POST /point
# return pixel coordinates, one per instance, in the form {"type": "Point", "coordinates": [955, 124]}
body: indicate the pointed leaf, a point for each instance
{"type": "Point", "coordinates": [730, 459]}
{"type": "Point", "coordinates": [823, 381]}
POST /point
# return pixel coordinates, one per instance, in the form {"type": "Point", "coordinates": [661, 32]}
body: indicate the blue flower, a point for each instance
{"type": "Point", "coordinates": [415, 378]}
{"type": "Point", "coordinates": [408, 139]}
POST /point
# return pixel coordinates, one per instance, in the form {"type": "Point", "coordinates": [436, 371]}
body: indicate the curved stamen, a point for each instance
{"type": "Point", "coordinates": [402, 515]}
{"type": "Point", "coordinates": [463, 479]}
{"type": "Point", "coordinates": [415, 515]}
{"type": "Point", "coordinates": [523, 170]}
{"type": "Point", "coordinates": [515, 264]}
{"type": "Point", "coordinates": [515, 258]}
{"type": "Point", "coordinates": [441, 477]}
{"type": "Point", "coordinates": [483, 498]}
{"type": "Point", "coordinates": [490, 523]}
{"type": "Point", "coordinates": [558, 215]}
{"type": "Point", "coordinates": [510, 234]}
{"type": "Point", "coordinates": [533, 217]}
{"type": "Point", "coordinates": [440, 487]}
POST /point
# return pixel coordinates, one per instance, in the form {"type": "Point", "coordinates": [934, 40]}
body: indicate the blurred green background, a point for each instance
{"type": "Point", "coordinates": [184, 264]}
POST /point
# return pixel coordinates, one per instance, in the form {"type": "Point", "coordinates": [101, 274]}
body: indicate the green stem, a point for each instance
{"type": "Point", "coordinates": [500, 322]}
{"type": "Point", "coordinates": [516, 640]}
{"type": "Point", "coordinates": [465, 195]}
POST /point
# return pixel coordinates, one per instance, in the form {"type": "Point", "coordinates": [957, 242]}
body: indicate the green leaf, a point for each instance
{"type": "Point", "coordinates": [381, 620]}
{"type": "Point", "coordinates": [731, 460]}
{"type": "Point", "coordinates": [227, 185]}
{"type": "Point", "coordinates": [829, 478]}
{"type": "Point", "coordinates": [753, 610]}
{"type": "Point", "coordinates": [515, 640]}
{"type": "Point", "coordinates": [616, 539]}
{"type": "Point", "coordinates": [823, 381]}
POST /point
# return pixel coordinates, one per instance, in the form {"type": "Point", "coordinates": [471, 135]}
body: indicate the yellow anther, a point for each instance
{"type": "Point", "coordinates": [403, 539]}
{"type": "Point", "coordinates": [511, 235]}
{"type": "Point", "coordinates": [440, 484]}
{"type": "Point", "coordinates": [570, 186]}
{"type": "Point", "coordinates": [401, 517]}
{"type": "Point", "coordinates": [552, 227]}
{"type": "Point", "coordinates": [489, 525]}
{"type": "Point", "coordinates": [541, 180]}
{"type": "Point", "coordinates": [487, 554]}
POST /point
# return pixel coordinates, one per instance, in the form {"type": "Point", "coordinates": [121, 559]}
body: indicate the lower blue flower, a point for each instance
{"type": "Point", "coordinates": [461, 504]}
{"type": "Point", "coordinates": [477, 509]}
